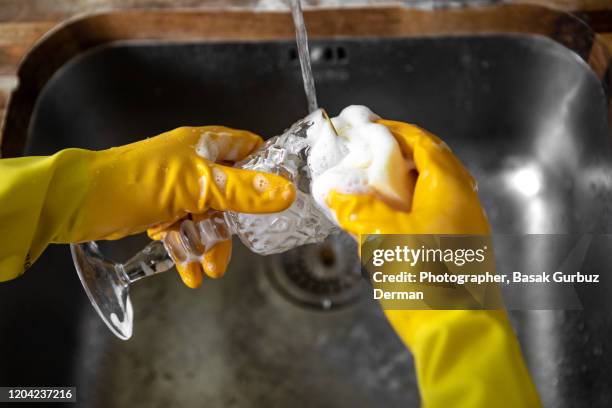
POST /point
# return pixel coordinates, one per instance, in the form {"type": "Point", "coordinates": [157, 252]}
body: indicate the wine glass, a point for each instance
{"type": "Point", "coordinates": [107, 283]}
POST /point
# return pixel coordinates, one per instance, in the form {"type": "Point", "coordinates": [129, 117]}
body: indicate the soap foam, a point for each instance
{"type": "Point", "coordinates": [217, 145]}
{"type": "Point", "coordinates": [220, 178]}
{"type": "Point", "coordinates": [260, 183]}
{"type": "Point", "coordinates": [353, 154]}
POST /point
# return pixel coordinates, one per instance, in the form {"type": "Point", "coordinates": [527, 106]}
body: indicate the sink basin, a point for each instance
{"type": "Point", "coordinates": [502, 102]}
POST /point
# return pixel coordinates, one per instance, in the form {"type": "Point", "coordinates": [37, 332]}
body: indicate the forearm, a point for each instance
{"type": "Point", "coordinates": [39, 197]}
{"type": "Point", "coordinates": [466, 358]}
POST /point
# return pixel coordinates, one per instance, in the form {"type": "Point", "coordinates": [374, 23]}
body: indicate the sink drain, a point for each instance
{"type": "Point", "coordinates": [323, 276]}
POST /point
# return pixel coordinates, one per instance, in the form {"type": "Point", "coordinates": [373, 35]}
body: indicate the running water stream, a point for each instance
{"type": "Point", "coordinates": [301, 38]}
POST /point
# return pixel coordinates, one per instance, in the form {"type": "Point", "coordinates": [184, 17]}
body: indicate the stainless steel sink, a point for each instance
{"type": "Point", "coordinates": [500, 102]}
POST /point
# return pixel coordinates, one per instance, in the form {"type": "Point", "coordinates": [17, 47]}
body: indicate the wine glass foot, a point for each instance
{"type": "Point", "coordinates": [106, 286]}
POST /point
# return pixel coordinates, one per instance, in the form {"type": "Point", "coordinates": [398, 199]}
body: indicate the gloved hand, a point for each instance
{"type": "Point", "coordinates": [445, 199]}
{"type": "Point", "coordinates": [463, 358]}
{"type": "Point", "coordinates": [213, 263]}
{"type": "Point", "coordinates": [79, 195]}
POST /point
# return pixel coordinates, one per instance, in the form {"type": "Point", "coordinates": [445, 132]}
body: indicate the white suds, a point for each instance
{"type": "Point", "coordinates": [220, 178]}
{"type": "Point", "coordinates": [260, 183]}
{"type": "Point", "coordinates": [216, 145]}
{"type": "Point", "coordinates": [356, 155]}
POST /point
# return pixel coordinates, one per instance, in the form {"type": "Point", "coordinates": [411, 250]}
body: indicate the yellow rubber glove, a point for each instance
{"type": "Point", "coordinates": [213, 263]}
{"type": "Point", "coordinates": [80, 195]}
{"type": "Point", "coordinates": [463, 358]}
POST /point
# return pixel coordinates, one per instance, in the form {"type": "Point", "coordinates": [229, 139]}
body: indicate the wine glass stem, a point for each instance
{"type": "Point", "coordinates": [151, 260]}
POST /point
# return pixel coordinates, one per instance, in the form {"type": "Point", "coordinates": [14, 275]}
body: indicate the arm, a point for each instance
{"type": "Point", "coordinates": [38, 195]}
{"type": "Point", "coordinates": [463, 358]}
{"type": "Point", "coordinates": [79, 195]}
